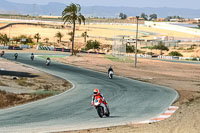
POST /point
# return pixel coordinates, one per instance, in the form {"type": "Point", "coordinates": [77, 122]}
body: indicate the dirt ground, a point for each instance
{"type": "Point", "coordinates": [23, 79]}
{"type": "Point", "coordinates": [103, 33]}
{"type": "Point", "coordinates": [185, 78]}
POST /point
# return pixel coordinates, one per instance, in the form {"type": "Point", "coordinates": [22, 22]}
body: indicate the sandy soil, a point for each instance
{"type": "Point", "coordinates": [100, 32]}
{"type": "Point", "coordinates": [185, 78]}
{"type": "Point", "coordinates": [23, 79]}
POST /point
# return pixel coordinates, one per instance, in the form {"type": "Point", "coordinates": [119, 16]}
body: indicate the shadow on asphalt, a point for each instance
{"type": "Point", "coordinates": [114, 116]}
{"type": "Point", "coordinates": [17, 74]}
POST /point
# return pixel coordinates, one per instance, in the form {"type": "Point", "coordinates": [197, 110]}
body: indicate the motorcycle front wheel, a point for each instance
{"type": "Point", "coordinates": [100, 111]}
{"type": "Point", "coordinates": [107, 112]}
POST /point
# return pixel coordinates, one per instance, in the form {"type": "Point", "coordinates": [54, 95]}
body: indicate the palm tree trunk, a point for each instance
{"type": "Point", "coordinates": [74, 24]}
{"type": "Point", "coordinates": [85, 38]}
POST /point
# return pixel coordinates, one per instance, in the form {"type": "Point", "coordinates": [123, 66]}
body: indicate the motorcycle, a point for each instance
{"type": "Point", "coordinates": [15, 55]}
{"type": "Point", "coordinates": [110, 74]}
{"type": "Point", "coordinates": [2, 53]}
{"type": "Point", "coordinates": [100, 109]}
{"type": "Point", "coordinates": [48, 62]}
{"type": "Point", "coordinates": [32, 57]}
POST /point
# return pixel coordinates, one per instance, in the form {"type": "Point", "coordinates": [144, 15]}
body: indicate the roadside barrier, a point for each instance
{"type": "Point", "coordinates": [163, 116]}
{"type": "Point", "coordinates": [25, 46]}
{"type": "Point", "coordinates": [49, 48]}
{"type": "Point", "coordinates": [3, 47]}
{"type": "Point", "coordinates": [11, 47]}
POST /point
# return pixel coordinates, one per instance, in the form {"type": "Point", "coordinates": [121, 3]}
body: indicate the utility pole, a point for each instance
{"type": "Point", "coordinates": [137, 17]}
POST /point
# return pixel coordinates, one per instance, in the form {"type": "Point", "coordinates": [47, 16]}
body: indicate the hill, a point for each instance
{"type": "Point", "coordinates": [54, 8]}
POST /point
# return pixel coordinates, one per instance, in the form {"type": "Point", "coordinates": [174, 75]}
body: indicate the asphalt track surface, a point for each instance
{"type": "Point", "coordinates": [130, 101]}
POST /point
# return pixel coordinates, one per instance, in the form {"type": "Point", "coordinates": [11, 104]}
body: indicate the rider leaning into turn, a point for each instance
{"type": "Point", "coordinates": [96, 95]}
{"type": "Point", "coordinates": [110, 69]}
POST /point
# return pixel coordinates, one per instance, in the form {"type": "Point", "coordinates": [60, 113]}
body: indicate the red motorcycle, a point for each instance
{"type": "Point", "coordinates": [98, 104]}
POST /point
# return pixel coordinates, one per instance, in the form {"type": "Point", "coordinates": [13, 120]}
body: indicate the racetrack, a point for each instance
{"type": "Point", "coordinates": [129, 101]}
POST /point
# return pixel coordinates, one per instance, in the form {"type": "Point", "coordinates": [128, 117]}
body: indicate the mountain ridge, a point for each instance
{"type": "Point", "coordinates": [55, 8]}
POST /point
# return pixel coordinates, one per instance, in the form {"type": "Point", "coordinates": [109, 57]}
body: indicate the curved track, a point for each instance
{"type": "Point", "coordinates": [129, 101]}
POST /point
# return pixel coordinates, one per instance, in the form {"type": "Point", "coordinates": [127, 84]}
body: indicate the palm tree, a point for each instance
{"type": "Point", "coordinates": [59, 35]}
{"type": "Point", "coordinates": [4, 38]}
{"type": "Point", "coordinates": [72, 14]}
{"type": "Point", "coordinates": [37, 37]}
{"type": "Point", "coordinates": [70, 34]}
{"type": "Point", "coordinates": [85, 35]}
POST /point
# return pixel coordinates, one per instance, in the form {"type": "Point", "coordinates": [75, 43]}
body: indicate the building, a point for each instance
{"type": "Point", "coordinates": [160, 19]}
{"type": "Point", "coordinates": [134, 20]}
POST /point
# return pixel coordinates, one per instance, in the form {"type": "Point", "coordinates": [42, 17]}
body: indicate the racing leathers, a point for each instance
{"type": "Point", "coordinates": [104, 103]}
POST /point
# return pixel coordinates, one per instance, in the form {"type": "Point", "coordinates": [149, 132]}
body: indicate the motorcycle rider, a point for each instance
{"type": "Point", "coordinates": [110, 69]}
{"type": "Point", "coordinates": [32, 56]}
{"type": "Point", "coordinates": [96, 95]}
{"type": "Point", "coordinates": [16, 55]}
{"type": "Point", "coordinates": [48, 61]}
{"type": "Point", "coordinates": [2, 53]}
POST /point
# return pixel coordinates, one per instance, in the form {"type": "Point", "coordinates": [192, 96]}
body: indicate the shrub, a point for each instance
{"type": "Point", "coordinates": [175, 53]}
{"type": "Point", "coordinates": [181, 48]}
{"type": "Point", "coordinates": [92, 45]}
{"type": "Point", "coordinates": [150, 53]}
{"type": "Point", "coordinates": [190, 48]}
{"type": "Point", "coordinates": [194, 59]}
{"type": "Point", "coordinates": [160, 47]}
{"type": "Point", "coordinates": [130, 49]}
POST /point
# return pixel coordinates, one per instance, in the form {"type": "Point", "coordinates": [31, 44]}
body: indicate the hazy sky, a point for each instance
{"type": "Point", "coordinates": [191, 4]}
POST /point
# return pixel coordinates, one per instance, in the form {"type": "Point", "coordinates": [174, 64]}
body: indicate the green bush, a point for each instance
{"type": "Point", "coordinates": [147, 47]}
{"type": "Point", "coordinates": [150, 53]}
{"type": "Point", "coordinates": [92, 44]}
{"type": "Point", "coordinates": [140, 52]}
{"type": "Point", "coordinates": [181, 48]}
{"type": "Point", "coordinates": [190, 48]}
{"type": "Point", "coordinates": [130, 49]}
{"type": "Point", "coordinates": [175, 53]}
{"type": "Point", "coordinates": [160, 46]}
{"type": "Point", "coordinates": [194, 59]}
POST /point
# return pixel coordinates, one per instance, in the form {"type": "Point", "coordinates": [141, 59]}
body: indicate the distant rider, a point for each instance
{"type": "Point", "coordinates": [16, 55]}
{"type": "Point", "coordinates": [48, 61]}
{"type": "Point", "coordinates": [110, 69]}
{"type": "Point", "coordinates": [32, 56]}
{"type": "Point", "coordinates": [96, 95]}
{"type": "Point", "coordinates": [2, 53]}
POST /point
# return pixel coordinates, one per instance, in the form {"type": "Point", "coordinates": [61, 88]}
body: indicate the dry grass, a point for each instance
{"type": "Point", "coordinates": [3, 84]}
{"type": "Point", "coordinates": [11, 99]}
{"type": "Point", "coordinates": [24, 82]}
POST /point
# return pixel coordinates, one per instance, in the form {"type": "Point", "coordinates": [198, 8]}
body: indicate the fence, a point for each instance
{"type": "Point", "coordinates": [119, 47]}
{"type": "Point", "coordinates": [49, 48]}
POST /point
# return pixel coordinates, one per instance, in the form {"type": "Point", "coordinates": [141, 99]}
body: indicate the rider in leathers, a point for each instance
{"type": "Point", "coordinates": [110, 69]}
{"type": "Point", "coordinates": [96, 95]}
